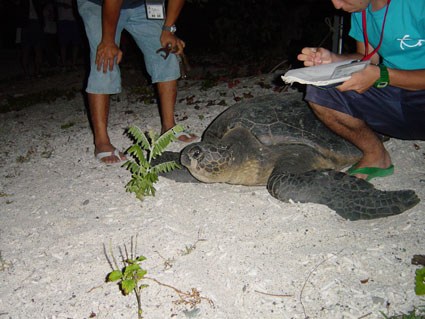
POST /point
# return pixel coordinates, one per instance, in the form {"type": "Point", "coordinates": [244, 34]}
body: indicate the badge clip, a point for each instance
{"type": "Point", "coordinates": [155, 9]}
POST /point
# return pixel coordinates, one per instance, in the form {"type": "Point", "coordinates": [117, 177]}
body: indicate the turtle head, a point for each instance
{"type": "Point", "coordinates": [209, 163]}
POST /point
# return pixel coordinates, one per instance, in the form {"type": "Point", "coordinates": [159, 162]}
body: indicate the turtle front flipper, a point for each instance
{"type": "Point", "coordinates": [350, 197]}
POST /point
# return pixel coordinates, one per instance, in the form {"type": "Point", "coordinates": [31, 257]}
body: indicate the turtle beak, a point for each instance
{"type": "Point", "coordinates": [184, 159]}
{"type": "Point", "coordinates": [190, 155]}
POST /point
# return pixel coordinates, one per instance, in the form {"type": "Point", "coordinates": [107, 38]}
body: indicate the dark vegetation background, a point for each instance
{"type": "Point", "coordinates": [258, 32]}
{"type": "Point", "coordinates": [225, 39]}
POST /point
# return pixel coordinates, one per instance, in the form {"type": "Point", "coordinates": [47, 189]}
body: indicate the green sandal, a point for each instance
{"type": "Point", "coordinates": [372, 172]}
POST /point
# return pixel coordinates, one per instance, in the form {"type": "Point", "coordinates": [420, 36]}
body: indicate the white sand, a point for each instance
{"type": "Point", "coordinates": [237, 245]}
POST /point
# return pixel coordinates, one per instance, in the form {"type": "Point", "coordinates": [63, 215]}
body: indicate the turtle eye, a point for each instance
{"type": "Point", "coordinates": [196, 152]}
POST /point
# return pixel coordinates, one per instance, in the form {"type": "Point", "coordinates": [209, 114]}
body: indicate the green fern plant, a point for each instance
{"type": "Point", "coordinates": [148, 147]}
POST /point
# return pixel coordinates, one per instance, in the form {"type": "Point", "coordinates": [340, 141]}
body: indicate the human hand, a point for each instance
{"type": "Point", "coordinates": [105, 56]}
{"type": "Point", "coordinates": [361, 81]}
{"type": "Point", "coordinates": [169, 39]}
{"type": "Point", "coordinates": [315, 56]}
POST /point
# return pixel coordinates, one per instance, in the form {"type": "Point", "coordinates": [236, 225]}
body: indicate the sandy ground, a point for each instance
{"type": "Point", "coordinates": [249, 254]}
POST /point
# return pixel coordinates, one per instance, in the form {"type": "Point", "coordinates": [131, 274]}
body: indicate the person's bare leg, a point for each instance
{"type": "Point", "coordinates": [358, 133]}
{"type": "Point", "coordinates": [167, 96]}
{"type": "Point", "coordinates": [99, 111]}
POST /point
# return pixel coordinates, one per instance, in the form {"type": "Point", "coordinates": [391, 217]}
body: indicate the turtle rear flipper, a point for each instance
{"type": "Point", "coordinates": [350, 197]}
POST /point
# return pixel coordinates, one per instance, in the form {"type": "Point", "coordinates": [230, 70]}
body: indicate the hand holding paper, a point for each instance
{"type": "Point", "coordinates": [325, 74]}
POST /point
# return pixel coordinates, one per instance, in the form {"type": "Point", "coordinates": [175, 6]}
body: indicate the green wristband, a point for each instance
{"type": "Point", "coordinates": [384, 79]}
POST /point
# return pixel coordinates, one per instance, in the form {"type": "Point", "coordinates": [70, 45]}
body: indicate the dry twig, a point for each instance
{"type": "Point", "coordinates": [195, 295]}
{"type": "Point", "coordinates": [308, 277]}
{"type": "Point", "coordinates": [273, 295]}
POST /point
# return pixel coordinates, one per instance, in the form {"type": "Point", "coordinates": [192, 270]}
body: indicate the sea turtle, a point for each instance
{"type": "Point", "coordinates": [276, 140]}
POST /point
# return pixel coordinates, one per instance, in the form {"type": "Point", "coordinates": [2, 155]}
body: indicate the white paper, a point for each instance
{"type": "Point", "coordinates": [325, 74]}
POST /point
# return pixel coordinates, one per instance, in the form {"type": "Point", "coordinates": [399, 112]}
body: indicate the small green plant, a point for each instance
{"type": "Point", "coordinates": [68, 125]}
{"type": "Point", "coordinates": [144, 174]}
{"type": "Point", "coordinates": [130, 275]}
{"type": "Point", "coordinates": [420, 282]}
{"type": "Point", "coordinates": [416, 313]}
{"type": "Point", "coordinates": [209, 83]}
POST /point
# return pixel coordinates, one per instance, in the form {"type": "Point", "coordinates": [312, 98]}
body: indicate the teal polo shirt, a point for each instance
{"type": "Point", "coordinates": [403, 44]}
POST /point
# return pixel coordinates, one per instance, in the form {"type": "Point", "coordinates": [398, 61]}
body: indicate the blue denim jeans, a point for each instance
{"type": "Point", "coordinates": [146, 34]}
{"type": "Point", "coordinates": [391, 111]}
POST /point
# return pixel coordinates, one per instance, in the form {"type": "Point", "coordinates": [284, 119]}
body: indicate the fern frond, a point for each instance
{"type": "Point", "coordinates": [138, 153]}
{"type": "Point", "coordinates": [153, 136]}
{"type": "Point", "coordinates": [152, 177]}
{"type": "Point", "coordinates": [143, 174]}
{"type": "Point", "coordinates": [144, 188]}
{"type": "Point", "coordinates": [132, 166]}
{"type": "Point", "coordinates": [141, 187]}
{"type": "Point", "coordinates": [164, 140]}
{"type": "Point", "coordinates": [139, 136]}
{"type": "Point", "coordinates": [177, 129]}
{"type": "Point", "coordinates": [165, 167]}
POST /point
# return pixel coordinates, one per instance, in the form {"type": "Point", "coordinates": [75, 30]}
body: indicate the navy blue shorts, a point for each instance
{"type": "Point", "coordinates": [391, 111]}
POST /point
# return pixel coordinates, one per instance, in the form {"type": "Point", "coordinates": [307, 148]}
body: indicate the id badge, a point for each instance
{"type": "Point", "coordinates": [155, 9]}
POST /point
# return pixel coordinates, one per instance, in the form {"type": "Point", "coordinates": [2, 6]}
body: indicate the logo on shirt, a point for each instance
{"type": "Point", "coordinates": [406, 42]}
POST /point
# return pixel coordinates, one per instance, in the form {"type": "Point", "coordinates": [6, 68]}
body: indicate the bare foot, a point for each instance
{"type": "Point", "coordinates": [109, 159]}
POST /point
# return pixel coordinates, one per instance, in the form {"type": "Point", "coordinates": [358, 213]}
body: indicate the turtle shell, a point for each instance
{"type": "Point", "coordinates": [279, 119]}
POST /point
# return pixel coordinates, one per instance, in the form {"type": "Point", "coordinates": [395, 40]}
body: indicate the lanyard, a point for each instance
{"type": "Point", "coordinates": [366, 41]}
